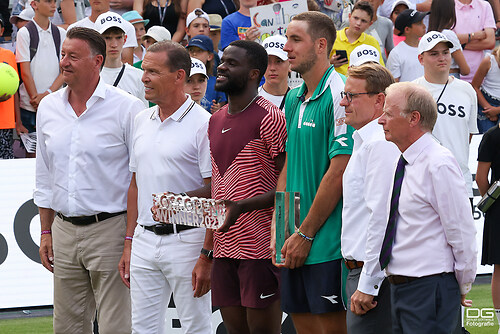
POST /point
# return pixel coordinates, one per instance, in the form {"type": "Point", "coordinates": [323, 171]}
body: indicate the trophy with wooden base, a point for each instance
{"type": "Point", "coordinates": [190, 211]}
{"type": "Point", "coordinates": [287, 210]}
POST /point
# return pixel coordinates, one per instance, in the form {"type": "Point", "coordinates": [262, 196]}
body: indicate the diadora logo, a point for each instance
{"type": "Point", "coordinates": [111, 18]}
{"type": "Point", "coordinates": [367, 53]}
{"type": "Point", "coordinates": [310, 124]}
{"type": "Point", "coordinates": [274, 45]}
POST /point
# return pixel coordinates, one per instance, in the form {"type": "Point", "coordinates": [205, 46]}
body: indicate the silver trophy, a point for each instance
{"type": "Point", "coordinates": [490, 197]}
{"type": "Point", "coordinates": [287, 210]}
{"type": "Point", "coordinates": [190, 211]}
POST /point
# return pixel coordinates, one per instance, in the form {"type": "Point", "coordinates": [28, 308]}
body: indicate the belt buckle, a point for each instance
{"type": "Point", "coordinates": [161, 229]}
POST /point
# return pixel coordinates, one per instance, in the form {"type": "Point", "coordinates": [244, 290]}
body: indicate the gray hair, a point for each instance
{"type": "Point", "coordinates": [417, 99]}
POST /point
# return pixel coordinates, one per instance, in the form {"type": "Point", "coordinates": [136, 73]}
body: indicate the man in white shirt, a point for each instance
{"type": "Point", "coordinates": [456, 100]}
{"type": "Point", "coordinates": [170, 152]}
{"type": "Point", "coordinates": [429, 247]}
{"type": "Point", "coordinates": [99, 7]}
{"type": "Point", "coordinates": [114, 71]}
{"type": "Point", "coordinates": [84, 134]}
{"type": "Point", "coordinates": [368, 175]}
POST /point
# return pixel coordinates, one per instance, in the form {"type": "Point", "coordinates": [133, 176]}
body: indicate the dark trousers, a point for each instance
{"type": "Point", "coordinates": [427, 305]}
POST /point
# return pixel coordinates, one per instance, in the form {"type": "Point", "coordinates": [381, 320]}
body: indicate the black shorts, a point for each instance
{"type": "Point", "coordinates": [314, 288]}
{"type": "Point", "coordinates": [247, 283]}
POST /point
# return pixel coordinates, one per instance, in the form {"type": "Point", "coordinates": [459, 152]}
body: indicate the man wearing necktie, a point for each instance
{"type": "Point", "coordinates": [429, 248]}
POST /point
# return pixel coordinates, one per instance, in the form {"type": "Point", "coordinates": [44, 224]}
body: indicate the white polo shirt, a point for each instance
{"type": "Point", "coordinates": [172, 155]}
{"type": "Point", "coordinates": [131, 41]}
{"type": "Point", "coordinates": [44, 66]}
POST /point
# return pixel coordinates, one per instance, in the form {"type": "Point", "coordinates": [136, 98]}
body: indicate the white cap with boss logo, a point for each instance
{"type": "Point", "coordinates": [197, 67]}
{"type": "Point", "coordinates": [362, 54]}
{"type": "Point", "coordinates": [274, 46]}
{"type": "Point", "coordinates": [108, 20]}
{"type": "Point", "coordinates": [431, 39]}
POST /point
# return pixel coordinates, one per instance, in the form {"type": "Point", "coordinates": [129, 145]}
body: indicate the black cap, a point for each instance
{"type": "Point", "coordinates": [406, 18]}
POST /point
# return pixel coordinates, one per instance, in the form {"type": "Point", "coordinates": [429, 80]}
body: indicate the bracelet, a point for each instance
{"type": "Point", "coordinates": [310, 239]}
{"type": "Point", "coordinates": [128, 238]}
{"type": "Point", "coordinates": [469, 39]}
{"type": "Point", "coordinates": [49, 90]}
{"type": "Point", "coordinates": [46, 232]}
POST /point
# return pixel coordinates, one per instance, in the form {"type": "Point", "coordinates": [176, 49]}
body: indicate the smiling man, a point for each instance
{"type": "Point", "coordinates": [84, 139]}
{"type": "Point", "coordinates": [318, 148]}
{"type": "Point", "coordinates": [368, 175]}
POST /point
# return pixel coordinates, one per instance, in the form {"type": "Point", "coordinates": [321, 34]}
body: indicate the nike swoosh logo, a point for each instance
{"type": "Point", "coordinates": [331, 299]}
{"type": "Point", "coordinates": [225, 130]}
{"type": "Point", "coordinates": [262, 296]}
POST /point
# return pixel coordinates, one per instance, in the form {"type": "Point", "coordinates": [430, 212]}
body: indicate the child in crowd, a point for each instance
{"type": "Point", "coordinates": [443, 18]}
{"type": "Point", "coordinates": [381, 29]}
{"type": "Point", "coordinates": [197, 23]}
{"type": "Point", "coordinates": [215, 24]}
{"type": "Point", "coordinates": [278, 67]}
{"type": "Point", "coordinates": [201, 47]}
{"type": "Point", "coordinates": [154, 34]}
{"type": "Point", "coordinates": [40, 72]}
{"type": "Point", "coordinates": [236, 24]}
{"type": "Point", "coordinates": [115, 72]}
{"type": "Point", "coordinates": [354, 35]}
{"type": "Point", "coordinates": [486, 82]}
{"type": "Point", "coordinates": [196, 85]}
{"type": "Point", "coordinates": [403, 60]}
{"type": "Point", "coordinates": [140, 29]}
{"type": "Point", "coordinates": [397, 8]}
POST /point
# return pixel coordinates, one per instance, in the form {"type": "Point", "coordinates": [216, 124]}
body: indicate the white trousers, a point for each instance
{"type": "Point", "coordinates": [160, 265]}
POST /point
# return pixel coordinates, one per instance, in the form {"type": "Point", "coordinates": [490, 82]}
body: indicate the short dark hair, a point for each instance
{"type": "Point", "coordinates": [365, 6]}
{"type": "Point", "coordinates": [319, 25]}
{"type": "Point", "coordinates": [256, 55]}
{"type": "Point", "coordinates": [177, 56]}
{"type": "Point", "coordinates": [96, 42]}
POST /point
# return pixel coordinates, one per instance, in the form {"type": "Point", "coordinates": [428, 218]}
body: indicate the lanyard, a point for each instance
{"type": "Point", "coordinates": [439, 98]}
{"type": "Point", "coordinates": [118, 78]}
{"type": "Point", "coordinates": [161, 11]}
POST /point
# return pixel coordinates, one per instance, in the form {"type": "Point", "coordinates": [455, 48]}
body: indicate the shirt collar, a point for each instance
{"type": "Point", "coordinates": [460, 5]}
{"type": "Point", "coordinates": [367, 131]}
{"type": "Point", "coordinates": [343, 37]}
{"type": "Point", "coordinates": [49, 29]}
{"type": "Point", "coordinates": [323, 84]}
{"type": "Point", "coordinates": [411, 153]}
{"type": "Point", "coordinates": [179, 114]}
{"type": "Point", "coordinates": [99, 93]}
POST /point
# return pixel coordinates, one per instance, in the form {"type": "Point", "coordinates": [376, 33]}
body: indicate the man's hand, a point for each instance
{"type": "Point", "coordinates": [20, 128]}
{"type": "Point", "coordinates": [35, 101]}
{"type": "Point", "coordinates": [361, 303]}
{"type": "Point", "coordinates": [466, 302]}
{"type": "Point", "coordinates": [337, 62]}
{"type": "Point", "coordinates": [233, 211]}
{"type": "Point", "coordinates": [252, 33]}
{"type": "Point", "coordinates": [5, 97]}
{"type": "Point", "coordinates": [215, 106]}
{"type": "Point", "coordinates": [124, 264]}
{"type": "Point", "coordinates": [200, 277]}
{"type": "Point", "coordinates": [295, 251]}
{"type": "Point", "coordinates": [46, 253]}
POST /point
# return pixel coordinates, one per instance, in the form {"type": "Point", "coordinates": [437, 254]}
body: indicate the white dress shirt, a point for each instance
{"type": "Point", "coordinates": [173, 155]}
{"type": "Point", "coordinates": [367, 179]}
{"type": "Point", "coordinates": [435, 228]}
{"type": "Point", "coordinates": [82, 162]}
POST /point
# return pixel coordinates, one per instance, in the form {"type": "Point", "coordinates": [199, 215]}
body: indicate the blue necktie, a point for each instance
{"type": "Point", "coordinates": [390, 232]}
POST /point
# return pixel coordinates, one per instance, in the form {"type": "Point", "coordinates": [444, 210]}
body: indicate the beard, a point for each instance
{"type": "Point", "coordinates": [232, 85]}
{"type": "Point", "coordinates": [307, 64]}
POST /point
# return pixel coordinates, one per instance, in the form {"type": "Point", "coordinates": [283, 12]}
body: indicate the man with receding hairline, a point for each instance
{"type": "Point", "coordinates": [429, 245]}
{"type": "Point", "coordinates": [318, 147]}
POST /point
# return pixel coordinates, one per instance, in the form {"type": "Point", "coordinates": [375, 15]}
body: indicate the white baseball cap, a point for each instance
{"type": "Point", "coordinates": [197, 67]}
{"type": "Point", "coordinates": [402, 2]}
{"type": "Point", "coordinates": [26, 14]}
{"type": "Point", "coordinates": [108, 20]}
{"type": "Point", "coordinates": [198, 12]}
{"type": "Point", "coordinates": [158, 33]}
{"type": "Point", "coordinates": [431, 39]}
{"type": "Point", "coordinates": [362, 54]}
{"type": "Point", "coordinates": [274, 46]}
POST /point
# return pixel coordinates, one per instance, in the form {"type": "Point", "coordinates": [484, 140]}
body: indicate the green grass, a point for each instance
{"type": "Point", "coordinates": [480, 295]}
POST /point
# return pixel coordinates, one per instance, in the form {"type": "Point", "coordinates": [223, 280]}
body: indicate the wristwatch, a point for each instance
{"type": "Point", "coordinates": [208, 253]}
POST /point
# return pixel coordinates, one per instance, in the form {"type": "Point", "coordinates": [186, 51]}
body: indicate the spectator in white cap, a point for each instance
{"type": "Point", "coordinates": [101, 7]}
{"type": "Point", "coordinates": [114, 71]}
{"type": "Point", "coordinates": [363, 54]}
{"type": "Point", "coordinates": [19, 20]}
{"type": "Point", "coordinates": [456, 100]}
{"type": "Point", "coordinates": [196, 85]}
{"type": "Point", "coordinates": [140, 29]}
{"type": "Point", "coordinates": [197, 23]}
{"type": "Point", "coordinates": [276, 87]}
{"type": "Point", "coordinates": [397, 8]}
{"type": "Point", "coordinates": [156, 34]}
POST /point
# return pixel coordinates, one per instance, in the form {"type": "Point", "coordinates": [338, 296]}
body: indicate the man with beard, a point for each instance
{"type": "Point", "coordinates": [247, 145]}
{"type": "Point", "coordinates": [318, 149]}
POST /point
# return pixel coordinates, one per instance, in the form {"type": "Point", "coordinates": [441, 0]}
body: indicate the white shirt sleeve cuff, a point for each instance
{"type": "Point", "coordinates": [370, 284]}
{"type": "Point", "coordinates": [465, 288]}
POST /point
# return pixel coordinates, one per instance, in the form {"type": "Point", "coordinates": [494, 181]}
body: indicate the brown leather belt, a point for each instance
{"type": "Point", "coordinates": [399, 279]}
{"type": "Point", "coordinates": [87, 220]}
{"type": "Point", "coordinates": [353, 264]}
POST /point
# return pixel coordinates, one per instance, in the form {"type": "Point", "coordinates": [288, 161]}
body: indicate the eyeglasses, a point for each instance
{"type": "Point", "coordinates": [350, 95]}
